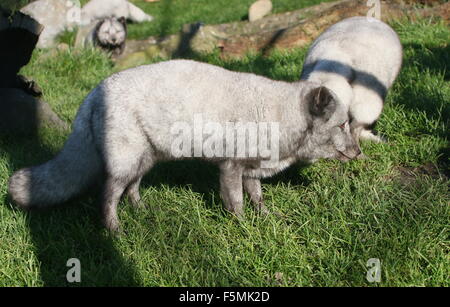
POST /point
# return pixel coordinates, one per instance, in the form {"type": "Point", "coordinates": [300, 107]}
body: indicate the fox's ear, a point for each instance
{"type": "Point", "coordinates": [321, 102]}
{"type": "Point", "coordinates": [122, 20]}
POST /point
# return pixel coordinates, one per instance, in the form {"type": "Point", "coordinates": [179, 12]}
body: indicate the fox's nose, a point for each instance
{"type": "Point", "coordinates": [359, 155]}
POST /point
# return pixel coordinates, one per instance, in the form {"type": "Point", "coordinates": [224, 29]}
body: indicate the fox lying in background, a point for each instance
{"type": "Point", "coordinates": [358, 58]}
{"type": "Point", "coordinates": [124, 127]}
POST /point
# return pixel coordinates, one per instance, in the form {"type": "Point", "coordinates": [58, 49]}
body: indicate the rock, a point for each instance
{"type": "Point", "coordinates": [281, 31]}
{"type": "Point", "coordinates": [297, 29]}
{"type": "Point", "coordinates": [55, 15]}
{"type": "Point", "coordinates": [29, 86]}
{"type": "Point", "coordinates": [132, 60]}
{"type": "Point", "coordinates": [193, 37]}
{"type": "Point", "coordinates": [425, 2]}
{"type": "Point", "coordinates": [24, 114]}
{"type": "Point", "coordinates": [63, 47]}
{"type": "Point", "coordinates": [206, 38]}
{"type": "Point", "coordinates": [21, 111]}
{"type": "Point", "coordinates": [19, 34]}
{"type": "Point", "coordinates": [259, 9]}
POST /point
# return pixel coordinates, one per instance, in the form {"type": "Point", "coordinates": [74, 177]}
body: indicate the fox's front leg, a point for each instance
{"type": "Point", "coordinates": [253, 188]}
{"type": "Point", "coordinates": [231, 187]}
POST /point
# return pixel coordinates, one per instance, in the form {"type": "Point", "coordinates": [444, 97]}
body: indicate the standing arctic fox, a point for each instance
{"type": "Point", "coordinates": [357, 58]}
{"type": "Point", "coordinates": [125, 126]}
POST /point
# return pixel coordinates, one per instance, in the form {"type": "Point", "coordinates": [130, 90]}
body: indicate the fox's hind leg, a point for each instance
{"type": "Point", "coordinates": [365, 110]}
{"type": "Point", "coordinates": [115, 186]}
{"type": "Point", "coordinates": [123, 170]}
{"type": "Point", "coordinates": [112, 192]}
{"type": "Point", "coordinates": [253, 188]}
{"type": "Point", "coordinates": [231, 187]}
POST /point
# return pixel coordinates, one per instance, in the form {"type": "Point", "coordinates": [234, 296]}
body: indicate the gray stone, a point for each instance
{"type": "Point", "coordinates": [84, 35]}
{"type": "Point", "coordinates": [55, 15]}
{"type": "Point", "coordinates": [21, 113]}
{"type": "Point", "coordinates": [259, 9]}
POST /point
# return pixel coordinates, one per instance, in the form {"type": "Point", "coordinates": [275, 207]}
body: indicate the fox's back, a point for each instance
{"type": "Point", "coordinates": [178, 89]}
{"type": "Point", "coordinates": [146, 102]}
{"type": "Point", "coordinates": [366, 44]}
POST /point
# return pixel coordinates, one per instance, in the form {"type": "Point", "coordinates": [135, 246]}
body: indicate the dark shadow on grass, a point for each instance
{"type": "Point", "coordinates": [74, 231]}
{"type": "Point", "coordinates": [63, 233]}
{"type": "Point", "coordinates": [60, 233]}
{"type": "Point", "coordinates": [434, 59]}
{"type": "Point", "coordinates": [67, 231]}
{"type": "Point", "coordinates": [444, 161]}
{"type": "Point", "coordinates": [271, 43]}
{"type": "Point", "coordinates": [203, 178]}
{"type": "Point", "coordinates": [291, 175]}
{"type": "Point", "coordinates": [188, 34]}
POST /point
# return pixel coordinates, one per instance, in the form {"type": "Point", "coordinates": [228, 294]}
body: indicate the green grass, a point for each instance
{"type": "Point", "coordinates": [170, 15]}
{"type": "Point", "coordinates": [393, 206]}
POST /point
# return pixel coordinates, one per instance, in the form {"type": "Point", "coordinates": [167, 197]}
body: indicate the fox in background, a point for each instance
{"type": "Point", "coordinates": [123, 128]}
{"type": "Point", "coordinates": [358, 58]}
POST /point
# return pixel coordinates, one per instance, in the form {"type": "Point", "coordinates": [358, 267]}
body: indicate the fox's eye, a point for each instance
{"type": "Point", "coordinates": [342, 126]}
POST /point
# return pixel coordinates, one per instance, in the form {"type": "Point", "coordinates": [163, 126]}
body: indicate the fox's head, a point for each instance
{"type": "Point", "coordinates": [329, 129]}
{"type": "Point", "coordinates": [112, 31]}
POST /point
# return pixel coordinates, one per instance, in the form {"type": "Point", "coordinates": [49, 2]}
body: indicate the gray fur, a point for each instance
{"type": "Point", "coordinates": [358, 58]}
{"type": "Point", "coordinates": [100, 9]}
{"type": "Point", "coordinates": [110, 35]}
{"type": "Point", "coordinates": [124, 128]}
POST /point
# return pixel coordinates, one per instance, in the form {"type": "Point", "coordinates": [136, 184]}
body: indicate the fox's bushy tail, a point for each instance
{"type": "Point", "coordinates": [75, 167]}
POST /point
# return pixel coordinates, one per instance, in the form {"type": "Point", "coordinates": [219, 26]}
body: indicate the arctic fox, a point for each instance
{"type": "Point", "coordinates": [109, 34]}
{"type": "Point", "coordinates": [58, 15]}
{"type": "Point", "coordinates": [100, 9]}
{"type": "Point", "coordinates": [358, 58]}
{"type": "Point", "coordinates": [126, 125]}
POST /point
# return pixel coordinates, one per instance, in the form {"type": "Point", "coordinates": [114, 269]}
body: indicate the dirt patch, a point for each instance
{"type": "Point", "coordinates": [409, 175]}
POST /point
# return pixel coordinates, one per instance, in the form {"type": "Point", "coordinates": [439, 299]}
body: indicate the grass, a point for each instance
{"type": "Point", "coordinates": [170, 15]}
{"type": "Point", "coordinates": [393, 206]}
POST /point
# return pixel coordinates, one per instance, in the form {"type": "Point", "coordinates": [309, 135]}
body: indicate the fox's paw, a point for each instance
{"type": "Point", "coordinates": [113, 226]}
{"type": "Point", "coordinates": [369, 136]}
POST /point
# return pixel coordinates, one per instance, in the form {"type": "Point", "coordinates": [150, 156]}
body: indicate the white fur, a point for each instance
{"type": "Point", "coordinates": [367, 105]}
{"type": "Point", "coordinates": [100, 9]}
{"type": "Point", "coordinates": [359, 59]}
{"type": "Point", "coordinates": [124, 127]}
{"type": "Point", "coordinates": [57, 15]}
{"type": "Point", "coordinates": [111, 32]}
